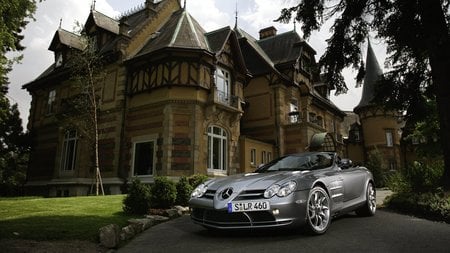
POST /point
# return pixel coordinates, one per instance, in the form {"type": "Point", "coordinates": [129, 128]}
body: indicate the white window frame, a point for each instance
{"type": "Point", "coordinates": [253, 156]}
{"type": "Point", "coordinates": [223, 81]}
{"type": "Point", "coordinates": [70, 138]}
{"type": "Point", "coordinates": [263, 157]}
{"type": "Point", "coordinates": [222, 137]}
{"type": "Point", "coordinates": [51, 101]}
{"type": "Point", "coordinates": [140, 140]}
{"type": "Point", "coordinates": [356, 135]}
{"type": "Point", "coordinates": [269, 157]}
{"type": "Point", "coordinates": [389, 137]}
{"type": "Point", "coordinates": [293, 107]}
{"type": "Point", "coordinates": [58, 59]}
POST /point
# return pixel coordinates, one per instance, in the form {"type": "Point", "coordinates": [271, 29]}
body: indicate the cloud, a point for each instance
{"type": "Point", "coordinates": [209, 16]}
{"type": "Point", "coordinates": [38, 35]}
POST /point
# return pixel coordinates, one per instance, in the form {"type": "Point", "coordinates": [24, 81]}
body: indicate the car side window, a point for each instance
{"type": "Point", "coordinates": [321, 161]}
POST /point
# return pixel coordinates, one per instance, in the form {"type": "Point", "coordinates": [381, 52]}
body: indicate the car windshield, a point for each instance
{"type": "Point", "coordinates": [299, 162]}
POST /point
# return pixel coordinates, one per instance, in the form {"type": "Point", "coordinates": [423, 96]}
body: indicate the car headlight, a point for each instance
{"type": "Point", "coordinates": [287, 189]}
{"type": "Point", "coordinates": [271, 191]}
{"type": "Point", "coordinates": [280, 191]}
{"type": "Point", "coordinates": [199, 191]}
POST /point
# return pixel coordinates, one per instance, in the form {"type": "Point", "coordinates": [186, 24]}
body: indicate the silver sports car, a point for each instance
{"type": "Point", "coordinates": [294, 190]}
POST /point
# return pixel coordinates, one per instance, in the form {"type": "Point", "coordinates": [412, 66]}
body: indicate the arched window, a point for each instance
{"type": "Point", "coordinates": [217, 148]}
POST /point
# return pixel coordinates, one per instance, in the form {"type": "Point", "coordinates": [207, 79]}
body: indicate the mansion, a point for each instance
{"type": "Point", "coordinates": [177, 100]}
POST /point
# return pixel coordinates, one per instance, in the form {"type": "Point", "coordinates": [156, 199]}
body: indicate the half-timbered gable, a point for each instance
{"type": "Point", "coordinates": [175, 100]}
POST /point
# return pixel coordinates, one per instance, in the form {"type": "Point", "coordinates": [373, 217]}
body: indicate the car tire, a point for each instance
{"type": "Point", "coordinates": [370, 206]}
{"type": "Point", "coordinates": [318, 213]}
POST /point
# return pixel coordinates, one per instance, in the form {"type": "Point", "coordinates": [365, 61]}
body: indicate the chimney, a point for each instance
{"type": "Point", "coordinates": [267, 32]}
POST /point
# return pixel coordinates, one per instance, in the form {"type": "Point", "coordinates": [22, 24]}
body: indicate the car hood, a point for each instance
{"type": "Point", "coordinates": [253, 181]}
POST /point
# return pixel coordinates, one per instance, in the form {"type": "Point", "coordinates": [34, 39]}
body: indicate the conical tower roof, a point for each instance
{"type": "Point", "coordinates": [373, 74]}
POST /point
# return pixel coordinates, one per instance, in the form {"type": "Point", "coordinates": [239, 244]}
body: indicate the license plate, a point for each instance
{"type": "Point", "coordinates": [248, 206]}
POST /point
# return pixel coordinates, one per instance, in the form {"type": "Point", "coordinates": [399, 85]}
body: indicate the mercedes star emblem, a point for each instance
{"type": "Point", "coordinates": [227, 193]}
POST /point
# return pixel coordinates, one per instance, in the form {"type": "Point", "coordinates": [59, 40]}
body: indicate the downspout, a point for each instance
{"type": "Point", "coordinates": [122, 133]}
{"type": "Point", "coordinates": [277, 125]}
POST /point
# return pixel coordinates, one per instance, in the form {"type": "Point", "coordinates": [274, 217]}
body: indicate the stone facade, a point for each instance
{"type": "Point", "coordinates": [176, 101]}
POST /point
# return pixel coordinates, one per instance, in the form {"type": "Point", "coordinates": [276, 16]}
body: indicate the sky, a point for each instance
{"type": "Point", "coordinates": [253, 15]}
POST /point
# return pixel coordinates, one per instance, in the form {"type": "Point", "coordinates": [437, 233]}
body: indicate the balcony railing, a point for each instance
{"type": "Point", "coordinates": [227, 99]}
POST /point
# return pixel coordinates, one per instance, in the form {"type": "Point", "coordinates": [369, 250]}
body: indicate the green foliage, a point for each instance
{"type": "Point", "coordinates": [138, 199]}
{"type": "Point", "coordinates": [417, 178]}
{"type": "Point", "coordinates": [197, 179]}
{"type": "Point", "coordinates": [418, 43]}
{"type": "Point", "coordinates": [424, 177]}
{"type": "Point", "coordinates": [423, 131]}
{"type": "Point", "coordinates": [14, 148]}
{"type": "Point", "coordinates": [433, 206]}
{"type": "Point", "coordinates": [375, 165]}
{"type": "Point", "coordinates": [184, 190]}
{"type": "Point", "coordinates": [15, 16]}
{"type": "Point", "coordinates": [163, 193]}
{"type": "Point", "coordinates": [396, 182]}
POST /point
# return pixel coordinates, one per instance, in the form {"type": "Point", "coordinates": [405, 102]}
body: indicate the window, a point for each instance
{"type": "Point", "coordinates": [293, 112]}
{"type": "Point", "coordinates": [69, 151]}
{"type": "Point", "coordinates": [356, 136]}
{"type": "Point", "coordinates": [312, 117]}
{"type": "Point", "coordinates": [253, 156]}
{"type": "Point", "coordinates": [389, 138]}
{"type": "Point", "coordinates": [51, 101]}
{"type": "Point", "coordinates": [143, 161]}
{"type": "Point", "coordinates": [319, 121]}
{"type": "Point", "coordinates": [217, 148]}
{"type": "Point", "coordinates": [58, 59]}
{"type": "Point", "coordinates": [392, 165]}
{"type": "Point", "coordinates": [263, 157]}
{"type": "Point", "coordinates": [269, 156]}
{"type": "Point", "coordinates": [223, 84]}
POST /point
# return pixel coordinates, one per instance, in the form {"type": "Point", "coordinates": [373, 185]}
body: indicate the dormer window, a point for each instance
{"type": "Point", "coordinates": [51, 101]}
{"type": "Point", "coordinates": [58, 59]}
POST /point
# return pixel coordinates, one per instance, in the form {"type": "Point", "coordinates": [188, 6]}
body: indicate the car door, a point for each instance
{"type": "Point", "coordinates": [353, 181]}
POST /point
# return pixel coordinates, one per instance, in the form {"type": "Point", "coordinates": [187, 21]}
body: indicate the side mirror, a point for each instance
{"type": "Point", "coordinates": [345, 164]}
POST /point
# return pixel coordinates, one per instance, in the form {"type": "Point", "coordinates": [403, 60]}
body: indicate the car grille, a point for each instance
{"type": "Point", "coordinates": [223, 219]}
{"type": "Point", "coordinates": [250, 194]}
{"type": "Point", "coordinates": [245, 195]}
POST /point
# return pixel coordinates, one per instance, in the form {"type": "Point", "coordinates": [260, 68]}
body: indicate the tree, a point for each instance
{"type": "Point", "coordinates": [82, 111]}
{"type": "Point", "coordinates": [424, 133]}
{"type": "Point", "coordinates": [14, 149]}
{"type": "Point", "coordinates": [417, 38]}
{"type": "Point", "coordinates": [15, 15]}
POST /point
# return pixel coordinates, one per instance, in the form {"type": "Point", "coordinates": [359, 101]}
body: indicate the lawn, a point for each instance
{"type": "Point", "coordinates": [75, 218]}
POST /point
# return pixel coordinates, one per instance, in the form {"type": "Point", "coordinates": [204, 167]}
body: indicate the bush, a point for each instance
{"type": "Point", "coordinates": [424, 177]}
{"type": "Point", "coordinates": [433, 206]}
{"type": "Point", "coordinates": [396, 182]}
{"type": "Point", "coordinates": [196, 179]}
{"type": "Point", "coordinates": [375, 165]}
{"type": "Point", "coordinates": [417, 177]}
{"type": "Point", "coordinates": [184, 190]}
{"type": "Point", "coordinates": [163, 193]}
{"type": "Point", "coordinates": [138, 199]}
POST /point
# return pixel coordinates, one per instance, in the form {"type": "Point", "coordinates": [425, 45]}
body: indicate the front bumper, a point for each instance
{"type": "Point", "coordinates": [287, 211]}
